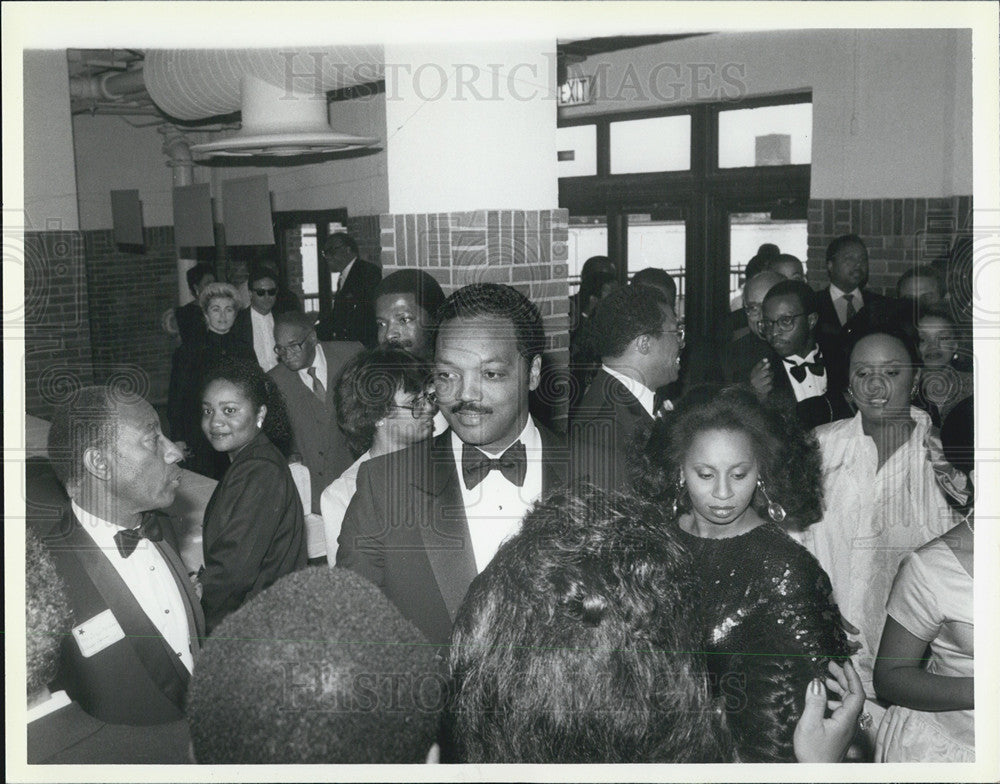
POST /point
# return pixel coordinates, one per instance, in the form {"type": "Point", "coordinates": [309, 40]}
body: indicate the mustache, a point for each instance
{"type": "Point", "coordinates": [470, 408]}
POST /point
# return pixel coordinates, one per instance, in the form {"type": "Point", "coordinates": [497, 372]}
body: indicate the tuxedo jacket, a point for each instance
{"type": "Point", "coordinates": [138, 679]}
{"type": "Point", "coordinates": [353, 316]}
{"type": "Point", "coordinates": [829, 332]}
{"type": "Point", "coordinates": [253, 532]}
{"type": "Point", "coordinates": [739, 357]}
{"type": "Point", "coordinates": [813, 411]}
{"type": "Point", "coordinates": [68, 736]}
{"type": "Point", "coordinates": [607, 420]}
{"type": "Point", "coordinates": [406, 529]}
{"type": "Point", "coordinates": [315, 434]}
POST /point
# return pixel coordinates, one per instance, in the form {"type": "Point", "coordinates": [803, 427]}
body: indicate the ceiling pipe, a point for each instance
{"type": "Point", "coordinates": [107, 86]}
{"type": "Point", "coordinates": [177, 148]}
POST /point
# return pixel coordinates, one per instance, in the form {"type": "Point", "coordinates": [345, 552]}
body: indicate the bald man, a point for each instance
{"type": "Point", "coordinates": [742, 356]}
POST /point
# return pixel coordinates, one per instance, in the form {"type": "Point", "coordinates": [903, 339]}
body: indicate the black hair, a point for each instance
{"type": "Point", "coordinates": [958, 435]}
{"type": "Point", "coordinates": [295, 318]}
{"type": "Point", "coordinates": [890, 329]}
{"type": "Point", "coordinates": [788, 457]}
{"type": "Point", "coordinates": [318, 668]}
{"type": "Point", "coordinates": [658, 279]}
{"type": "Point", "coordinates": [259, 270]}
{"type": "Point", "coordinates": [260, 389]}
{"type": "Point", "coordinates": [623, 316]}
{"type": "Point", "coordinates": [761, 261]}
{"type": "Point", "coordinates": [575, 644]}
{"type": "Point", "coordinates": [196, 273]}
{"type": "Point", "coordinates": [89, 419]}
{"type": "Point", "coordinates": [498, 301]}
{"type": "Point", "coordinates": [422, 285]}
{"type": "Point", "coordinates": [921, 271]}
{"type": "Point", "coordinates": [48, 617]}
{"type": "Point", "coordinates": [367, 388]}
{"type": "Point", "coordinates": [593, 284]}
{"type": "Point", "coordinates": [841, 242]}
{"type": "Point", "coordinates": [344, 237]}
{"type": "Point", "coordinates": [799, 289]}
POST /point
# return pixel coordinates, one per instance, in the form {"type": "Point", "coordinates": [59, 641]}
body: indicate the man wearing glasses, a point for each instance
{"type": "Point", "coordinates": [306, 373]}
{"type": "Point", "coordinates": [255, 325]}
{"type": "Point", "coordinates": [352, 316]}
{"type": "Point", "coordinates": [800, 373]}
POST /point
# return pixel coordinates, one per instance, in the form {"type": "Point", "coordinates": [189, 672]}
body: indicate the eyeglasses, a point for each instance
{"type": "Point", "coordinates": [291, 347]}
{"type": "Point", "coordinates": [420, 406]}
{"type": "Point", "coordinates": [265, 292]}
{"type": "Point", "coordinates": [781, 324]}
{"type": "Point", "coordinates": [678, 331]}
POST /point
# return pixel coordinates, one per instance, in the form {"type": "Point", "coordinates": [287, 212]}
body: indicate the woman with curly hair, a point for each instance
{"type": "Point", "coordinates": [734, 472]}
{"type": "Point", "coordinates": [253, 531]}
{"type": "Point", "coordinates": [382, 407]}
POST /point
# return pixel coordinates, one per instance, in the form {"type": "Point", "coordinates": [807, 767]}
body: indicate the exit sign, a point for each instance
{"type": "Point", "coordinates": [575, 91]}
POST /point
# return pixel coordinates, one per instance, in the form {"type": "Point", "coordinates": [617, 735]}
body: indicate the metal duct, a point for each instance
{"type": "Point", "coordinates": [280, 92]}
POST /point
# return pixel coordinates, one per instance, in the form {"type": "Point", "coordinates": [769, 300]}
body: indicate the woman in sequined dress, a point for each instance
{"type": "Point", "coordinates": [731, 470]}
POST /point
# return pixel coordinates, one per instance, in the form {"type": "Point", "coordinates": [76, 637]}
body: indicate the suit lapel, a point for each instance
{"type": "Point", "coordinates": [165, 669]}
{"type": "Point", "coordinates": [555, 459]}
{"type": "Point", "coordinates": [445, 532]}
{"type": "Point", "coordinates": [192, 606]}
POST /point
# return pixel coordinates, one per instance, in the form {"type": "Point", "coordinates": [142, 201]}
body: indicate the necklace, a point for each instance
{"type": "Point", "coordinates": [967, 523]}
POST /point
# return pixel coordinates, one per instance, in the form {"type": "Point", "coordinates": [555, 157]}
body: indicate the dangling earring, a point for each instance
{"type": "Point", "coordinates": [676, 505]}
{"type": "Point", "coordinates": [260, 423]}
{"type": "Point", "coordinates": [774, 510]}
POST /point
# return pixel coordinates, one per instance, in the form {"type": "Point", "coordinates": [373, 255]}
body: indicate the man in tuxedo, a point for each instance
{"type": "Point", "coordinates": [352, 316]}
{"type": "Point", "coordinates": [845, 308]}
{"type": "Point", "coordinates": [138, 620]}
{"type": "Point", "coordinates": [306, 374]}
{"type": "Point", "coordinates": [743, 358]}
{"type": "Point", "coordinates": [255, 325]}
{"type": "Point", "coordinates": [797, 374]}
{"type": "Point", "coordinates": [426, 520]}
{"type": "Point", "coordinates": [190, 317]}
{"type": "Point", "coordinates": [640, 342]}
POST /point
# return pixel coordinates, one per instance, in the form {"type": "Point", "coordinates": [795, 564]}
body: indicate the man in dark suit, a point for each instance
{"type": "Point", "coordinates": [307, 374]}
{"type": "Point", "coordinates": [744, 357]}
{"type": "Point", "coordinates": [190, 318]}
{"type": "Point", "coordinates": [639, 341]}
{"type": "Point", "coordinates": [255, 325]}
{"type": "Point", "coordinates": [59, 731]}
{"type": "Point", "coordinates": [352, 316]}
{"type": "Point", "coordinates": [426, 520]}
{"type": "Point", "coordinates": [138, 621]}
{"type": "Point", "coordinates": [797, 374]}
{"type": "Point", "coordinates": [845, 308]}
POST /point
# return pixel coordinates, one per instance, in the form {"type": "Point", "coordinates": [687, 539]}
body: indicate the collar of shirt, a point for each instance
{"type": "Point", "coordinates": [100, 530]}
{"type": "Point", "coordinates": [319, 362]}
{"type": "Point", "coordinates": [838, 297]}
{"type": "Point", "coordinates": [530, 437]}
{"type": "Point", "coordinates": [56, 700]}
{"type": "Point", "coordinates": [810, 357]}
{"type": "Point", "coordinates": [345, 272]}
{"type": "Point", "coordinates": [645, 395]}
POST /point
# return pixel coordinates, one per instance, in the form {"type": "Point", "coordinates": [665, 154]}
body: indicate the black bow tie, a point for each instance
{"type": "Point", "coordinates": [513, 464]}
{"type": "Point", "coordinates": [127, 539]}
{"type": "Point", "coordinates": [798, 370]}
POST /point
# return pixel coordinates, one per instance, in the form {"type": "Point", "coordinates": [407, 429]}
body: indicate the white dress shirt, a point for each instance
{"type": "Point", "coordinates": [334, 502]}
{"type": "Point", "coordinates": [840, 306]}
{"type": "Point", "coordinates": [150, 579]}
{"type": "Point", "coordinates": [642, 393]}
{"type": "Point", "coordinates": [319, 362]}
{"type": "Point", "coordinates": [263, 339]}
{"type": "Point", "coordinates": [812, 385]}
{"type": "Point", "coordinates": [495, 507]}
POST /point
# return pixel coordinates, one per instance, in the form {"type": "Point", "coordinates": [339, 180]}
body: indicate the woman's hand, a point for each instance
{"type": "Point", "coordinates": [819, 739]}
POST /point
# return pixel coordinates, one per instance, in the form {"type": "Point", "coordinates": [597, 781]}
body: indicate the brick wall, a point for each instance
{"type": "Point", "coordinates": [522, 248]}
{"type": "Point", "coordinates": [54, 320]}
{"type": "Point", "coordinates": [899, 233]}
{"type": "Point", "coordinates": [129, 295]}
